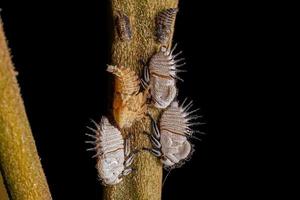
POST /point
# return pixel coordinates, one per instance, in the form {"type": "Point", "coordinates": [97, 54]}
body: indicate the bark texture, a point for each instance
{"type": "Point", "coordinates": [146, 182]}
{"type": "Point", "coordinates": [3, 192]}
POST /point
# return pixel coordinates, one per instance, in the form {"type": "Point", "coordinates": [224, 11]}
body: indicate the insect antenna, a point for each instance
{"type": "Point", "coordinates": [166, 177]}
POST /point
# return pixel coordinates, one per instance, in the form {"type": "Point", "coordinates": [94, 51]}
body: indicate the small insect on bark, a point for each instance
{"type": "Point", "coordinates": [170, 139]}
{"type": "Point", "coordinates": [113, 159]}
{"type": "Point", "coordinates": [165, 20]}
{"type": "Point", "coordinates": [129, 105]}
{"type": "Point", "coordinates": [127, 83]}
{"type": "Point", "coordinates": [161, 75]}
{"type": "Point", "coordinates": [123, 26]}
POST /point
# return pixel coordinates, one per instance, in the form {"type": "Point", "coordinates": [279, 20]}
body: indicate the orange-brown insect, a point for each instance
{"type": "Point", "coordinates": [123, 26]}
{"type": "Point", "coordinates": [127, 83]}
{"type": "Point", "coordinates": [129, 105]}
{"type": "Point", "coordinates": [164, 22]}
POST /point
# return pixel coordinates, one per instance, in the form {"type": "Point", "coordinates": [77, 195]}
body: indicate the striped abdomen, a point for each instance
{"type": "Point", "coordinates": [127, 82]}
{"type": "Point", "coordinates": [174, 129]}
{"type": "Point", "coordinates": [109, 146]}
{"type": "Point", "coordinates": [123, 26]}
{"type": "Point", "coordinates": [164, 22]}
{"type": "Point", "coordinates": [129, 104]}
{"type": "Point", "coordinates": [162, 77]}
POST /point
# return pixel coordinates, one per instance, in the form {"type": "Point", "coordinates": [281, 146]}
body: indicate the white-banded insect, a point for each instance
{"type": "Point", "coordinates": [123, 26]}
{"type": "Point", "coordinates": [113, 159]}
{"type": "Point", "coordinates": [170, 138]}
{"type": "Point", "coordinates": [161, 74]}
{"type": "Point", "coordinates": [165, 20]}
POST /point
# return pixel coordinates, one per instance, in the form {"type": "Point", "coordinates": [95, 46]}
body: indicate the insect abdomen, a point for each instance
{"type": "Point", "coordinates": [129, 104]}
{"type": "Point", "coordinates": [123, 26]}
{"type": "Point", "coordinates": [109, 146]}
{"type": "Point", "coordinates": [174, 129]}
{"type": "Point", "coordinates": [162, 74]}
{"type": "Point", "coordinates": [164, 22]}
{"type": "Point", "coordinates": [127, 82]}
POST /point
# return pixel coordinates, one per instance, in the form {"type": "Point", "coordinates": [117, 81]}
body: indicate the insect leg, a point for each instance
{"type": "Point", "coordinates": [155, 136]}
{"type": "Point", "coordinates": [127, 171]}
{"type": "Point", "coordinates": [145, 85]}
{"type": "Point", "coordinates": [127, 147]}
{"type": "Point", "coordinates": [155, 142]}
{"type": "Point", "coordinates": [128, 162]}
{"type": "Point", "coordinates": [145, 80]}
{"type": "Point", "coordinates": [146, 74]}
{"type": "Point", "coordinates": [130, 158]}
{"type": "Point", "coordinates": [156, 131]}
{"type": "Point", "coordinates": [155, 152]}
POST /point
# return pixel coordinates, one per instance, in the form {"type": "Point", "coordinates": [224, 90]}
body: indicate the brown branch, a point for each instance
{"type": "Point", "coordinates": [145, 182]}
{"type": "Point", "coordinates": [3, 192]}
{"type": "Point", "coordinates": [19, 161]}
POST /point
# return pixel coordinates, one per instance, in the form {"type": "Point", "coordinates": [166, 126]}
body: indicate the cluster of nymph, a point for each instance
{"type": "Point", "coordinates": [170, 134]}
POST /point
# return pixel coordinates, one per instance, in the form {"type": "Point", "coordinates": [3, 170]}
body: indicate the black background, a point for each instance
{"type": "Point", "coordinates": [61, 50]}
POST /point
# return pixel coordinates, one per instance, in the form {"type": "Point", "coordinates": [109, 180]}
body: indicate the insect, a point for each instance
{"type": "Point", "coordinates": [123, 26]}
{"type": "Point", "coordinates": [161, 75]}
{"type": "Point", "coordinates": [129, 104]}
{"type": "Point", "coordinates": [127, 83]}
{"type": "Point", "coordinates": [170, 139]}
{"type": "Point", "coordinates": [113, 159]}
{"type": "Point", "coordinates": [164, 22]}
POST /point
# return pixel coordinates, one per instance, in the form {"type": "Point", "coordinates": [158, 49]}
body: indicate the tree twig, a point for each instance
{"type": "Point", "coordinates": [3, 192]}
{"type": "Point", "coordinates": [146, 181]}
{"type": "Point", "coordinates": [19, 161]}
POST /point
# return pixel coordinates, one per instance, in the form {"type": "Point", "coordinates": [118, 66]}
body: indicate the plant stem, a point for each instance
{"type": "Point", "coordinates": [3, 192]}
{"type": "Point", "coordinates": [146, 181]}
{"type": "Point", "coordinates": [19, 161]}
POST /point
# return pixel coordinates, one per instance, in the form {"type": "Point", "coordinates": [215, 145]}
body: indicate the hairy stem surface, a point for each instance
{"type": "Point", "coordinates": [19, 161]}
